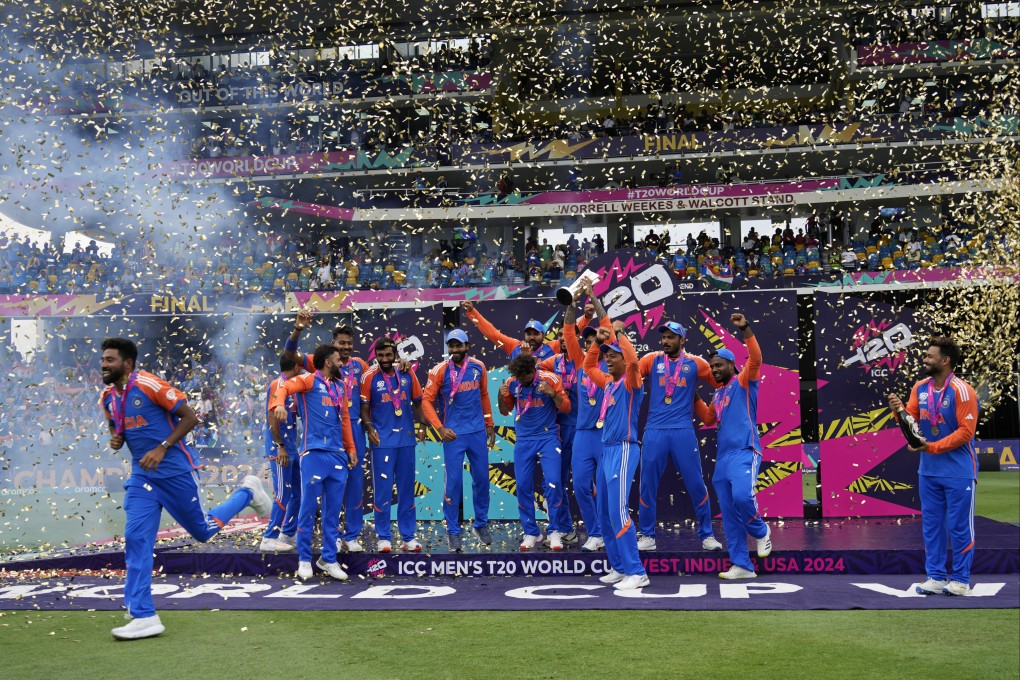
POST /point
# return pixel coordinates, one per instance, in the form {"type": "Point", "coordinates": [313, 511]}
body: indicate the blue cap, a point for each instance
{"type": "Point", "coordinates": [727, 355]}
{"type": "Point", "coordinates": [610, 347]}
{"type": "Point", "coordinates": [674, 327]}
{"type": "Point", "coordinates": [457, 334]}
{"type": "Point", "coordinates": [535, 325]}
{"type": "Point", "coordinates": [589, 330]}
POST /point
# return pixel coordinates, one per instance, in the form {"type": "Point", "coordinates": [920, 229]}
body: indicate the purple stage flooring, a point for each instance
{"type": "Point", "coordinates": [874, 546]}
{"type": "Point", "coordinates": [691, 593]}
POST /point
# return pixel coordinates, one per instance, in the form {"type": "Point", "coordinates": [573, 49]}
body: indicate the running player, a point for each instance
{"type": "Point", "coordinates": [282, 453]}
{"type": "Point", "coordinates": [669, 433]}
{"type": "Point", "coordinates": [537, 396]}
{"type": "Point", "coordinates": [328, 453]}
{"type": "Point", "coordinates": [352, 368]}
{"type": "Point", "coordinates": [618, 415]}
{"type": "Point", "coordinates": [460, 388]}
{"type": "Point", "coordinates": [946, 410]}
{"type": "Point", "coordinates": [153, 418]}
{"type": "Point", "coordinates": [587, 443]}
{"type": "Point", "coordinates": [390, 407]}
{"type": "Point", "coordinates": [735, 413]}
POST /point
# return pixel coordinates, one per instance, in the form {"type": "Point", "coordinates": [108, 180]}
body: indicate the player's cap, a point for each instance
{"type": "Point", "coordinates": [535, 325]}
{"type": "Point", "coordinates": [610, 347]}
{"type": "Point", "coordinates": [727, 355]}
{"type": "Point", "coordinates": [673, 327]}
{"type": "Point", "coordinates": [589, 330]}
{"type": "Point", "coordinates": [458, 335]}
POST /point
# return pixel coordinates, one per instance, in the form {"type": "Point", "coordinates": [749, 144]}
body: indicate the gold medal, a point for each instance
{"type": "Point", "coordinates": [592, 401]}
{"type": "Point", "coordinates": [599, 423]}
{"type": "Point", "coordinates": [398, 412]}
{"type": "Point", "coordinates": [669, 400]}
{"type": "Point", "coordinates": [935, 431]}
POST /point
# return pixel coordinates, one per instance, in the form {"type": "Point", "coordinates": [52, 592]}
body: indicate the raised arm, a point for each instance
{"type": "Point", "coordinates": [505, 342]}
{"type": "Point", "coordinates": [301, 383]}
{"type": "Point", "coordinates": [304, 318]}
{"type": "Point", "coordinates": [591, 361]}
{"type": "Point", "coordinates": [571, 345]}
{"type": "Point", "coordinates": [630, 357]}
{"type": "Point", "coordinates": [752, 369]}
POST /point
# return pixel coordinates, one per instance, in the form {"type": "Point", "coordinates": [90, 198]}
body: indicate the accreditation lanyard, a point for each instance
{"type": "Point", "coordinates": [607, 398]}
{"type": "Point", "coordinates": [119, 409]}
{"type": "Point", "coordinates": [672, 375]}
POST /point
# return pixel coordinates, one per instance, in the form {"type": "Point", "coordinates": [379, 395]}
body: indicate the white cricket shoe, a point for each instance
{"type": "Point", "coordinates": [612, 577]}
{"type": "Point", "coordinates": [385, 546]}
{"type": "Point", "coordinates": [711, 543]}
{"type": "Point", "coordinates": [304, 570]}
{"type": "Point", "coordinates": [931, 587]}
{"type": "Point", "coordinates": [333, 569]}
{"type": "Point", "coordinates": [530, 541]}
{"type": "Point", "coordinates": [765, 543]}
{"type": "Point", "coordinates": [261, 502]}
{"type": "Point", "coordinates": [353, 546]}
{"type": "Point", "coordinates": [274, 545]}
{"type": "Point", "coordinates": [411, 546]}
{"type": "Point", "coordinates": [735, 572]}
{"type": "Point", "coordinates": [136, 629]}
{"type": "Point", "coordinates": [646, 543]}
{"type": "Point", "coordinates": [632, 582]}
{"type": "Point", "coordinates": [289, 540]}
{"type": "Point", "coordinates": [555, 540]}
{"type": "Point", "coordinates": [592, 544]}
{"type": "Point", "coordinates": [956, 588]}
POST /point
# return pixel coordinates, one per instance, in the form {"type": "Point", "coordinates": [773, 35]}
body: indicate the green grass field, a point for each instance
{"type": "Point", "coordinates": [603, 644]}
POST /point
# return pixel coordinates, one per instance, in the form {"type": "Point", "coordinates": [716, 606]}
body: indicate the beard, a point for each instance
{"type": "Point", "coordinates": [111, 376]}
{"type": "Point", "coordinates": [930, 370]}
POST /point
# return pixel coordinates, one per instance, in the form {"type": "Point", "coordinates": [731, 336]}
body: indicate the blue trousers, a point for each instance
{"type": "Point", "coordinates": [394, 466]}
{"type": "Point", "coordinates": [144, 502]}
{"type": "Point", "coordinates": [287, 497]}
{"type": "Point", "coordinates": [566, 467]}
{"type": "Point", "coordinates": [475, 446]}
{"type": "Point", "coordinates": [354, 494]}
{"type": "Point", "coordinates": [545, 451]}
{"type": "Point", "coordinates": [615, 476]}
{"type": "Point", "coordinates": [584, 465]}
{"type": "Point", "coordinates": [947, 511]}
{"type": "Point", "coordinates": [681, 446]}
{"type": "Point", "coordinates": [323, 475]}
{"type": "Point", "coordinates": [734, 479]}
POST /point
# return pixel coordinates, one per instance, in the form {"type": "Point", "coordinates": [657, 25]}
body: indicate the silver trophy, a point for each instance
{"type": "Point", "coordinates": [566, 294]}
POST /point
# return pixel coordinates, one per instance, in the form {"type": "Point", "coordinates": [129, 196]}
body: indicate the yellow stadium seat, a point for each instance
{"type": "Point", "coordinates": [887, 263]}
{"type": "Point", "coordinates": [871, 249]}
{"type": "Point", "coordinates": [278, 284]}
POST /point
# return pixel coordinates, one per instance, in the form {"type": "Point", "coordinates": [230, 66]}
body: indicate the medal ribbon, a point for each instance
{"type": "Point", "coordinates": [394, 393]}
{"type": "Point", "coordinates": [455, 378]}
{"type": "Point", "coordinates": [934, 399]}
{"type": "Point", "coordinates": [607, 396]}
{"type": "Point", "coordinates": [673, 377]}
{"type": "Point", "coordinates": [335, 392]}
{"type": "Point", "coordinates": [527, 404]}
{"type": "Point", "coordinates": [350, 380]}
{"type": "Point", "coordinates": [118, 410]}
{"type": "Point", "coordinates": [568, 377]}
{"type": "Point", "coordinates": [717, 402]}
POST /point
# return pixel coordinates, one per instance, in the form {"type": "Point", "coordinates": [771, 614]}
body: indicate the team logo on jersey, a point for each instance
{"type": "Point", "coordinates": [945, 403]}
{"type": "Point", "coordinates": [660, 368]}
{"type": "Point", "coordinates": [686, 368]}
{"type": "Point", "coordinates": [137, 402]}
{"type": "Point", "coordinates": [922, 395]}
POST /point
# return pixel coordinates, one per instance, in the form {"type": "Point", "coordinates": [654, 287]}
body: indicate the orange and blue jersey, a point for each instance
{"type": "Point", "coordinates": [351, 373]}
{"type": "Point", "coordinates": [466, 411]}
{"type": "Point", "coordinates": [536, 413]}
{"type": "Point", "coordinates": [378, 390]}
{"type": "Point", "coordinates": [150, 407]}
{"type": "Point", "coordinates": [686, 372]}
{"type": "Point", "coordinates": [288, 429]}
{"type": "Point", "coordinates": [954, 409]}
{"type": "Point", "coordinates": [624, 395]}
{"type": "Point", "coordinates": [327, 425]}
{"type": "Point", "coordinates": [570, 376]}
{"type": "Point", "coordinates": [587, 390]}
{"type": "Point", "coordinates": [735, 407]}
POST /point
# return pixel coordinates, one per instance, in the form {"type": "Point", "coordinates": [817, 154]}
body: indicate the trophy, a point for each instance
{"type": "Point", "coordinates": [566, 294]}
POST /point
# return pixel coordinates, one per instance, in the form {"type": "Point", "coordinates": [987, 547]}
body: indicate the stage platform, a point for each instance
{"type": "Point", "coordinates": [890, 546]}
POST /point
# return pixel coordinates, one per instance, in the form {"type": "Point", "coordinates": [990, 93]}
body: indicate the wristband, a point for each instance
{"type": "Point", "coordinates": [744, 327]}
{"type": "Point", "coordinates": [166, 445]}
{"type": "Point", "coordinates": [290, 345]}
